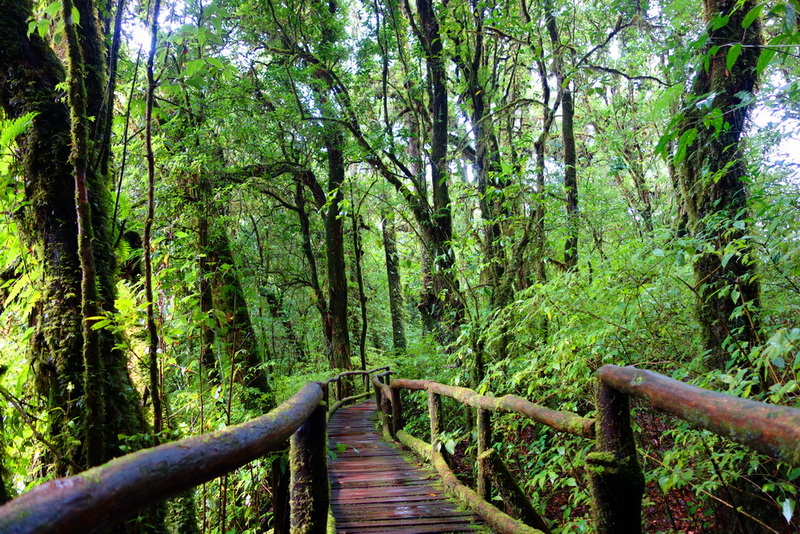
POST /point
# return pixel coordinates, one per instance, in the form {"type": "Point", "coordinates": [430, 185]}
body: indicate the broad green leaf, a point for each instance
{"type": "Point", "coordinates": [53, 8]}
{"type": "Point", "coordinates": [9, 130]}
{"type": "Point", "coordinates": [685, 141]}
{"type": "Point", "coordinates": [751, 16]}
{"type": "Point", "coordinates": [733, 55]}
{"type": "Point", "coordinates": [216, 62]}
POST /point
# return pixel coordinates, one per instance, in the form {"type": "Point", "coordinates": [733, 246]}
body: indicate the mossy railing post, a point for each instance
{"type": "Point", "coordinates": [378, 396]}
{"type": "Point", "coordinates": [397, 411]}
{"type": "Point", "coordinates": [340, 388]}
{"type": "Point", "coordinates": [435, 414]}
{"type": "Point", "coordinates": [325, 392]}
{"type": "Point", "coordinates": [309, 492]}
{"type": "Point", "coordinates": [615, 476]}
{"type": "Point", "coordinates": [484, 420]}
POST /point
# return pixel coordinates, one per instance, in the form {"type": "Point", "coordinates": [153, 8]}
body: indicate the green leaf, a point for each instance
{"type": "Point", "coordinates": [685, 141]}
{"type": "Point", "coordinates": [216, 62]}
{"type": "Point", "coordinates": [53, 8]}
{"type": "Point", "coordinates": [751, 16]}
{"type": "Point", "coordinates": [733, 55]}
{"type": "Point", "coordinates": [790, 17]}
{"type": "Point", "coordinates": [767, 53]}
{"type": "Point", "coordinates": [9, 130]}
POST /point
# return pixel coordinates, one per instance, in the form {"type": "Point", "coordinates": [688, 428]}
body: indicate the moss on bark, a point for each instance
{"type": "Point", "coordinates": [49, 225]}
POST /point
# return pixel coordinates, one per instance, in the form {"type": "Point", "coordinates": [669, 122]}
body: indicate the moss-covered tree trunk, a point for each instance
{"type": "Point", "coordinates": [339, 351]}
{"type": "Point", "coordinates": [243, 351]}
{"type": "Point", "coordinates": [389, 233]}
{"type": "Point", "coordinates": [31, 71]}
{"type": "Point", "coordinates": [712, 181]}
{"type": "Point", "coordinates": [440, 298]}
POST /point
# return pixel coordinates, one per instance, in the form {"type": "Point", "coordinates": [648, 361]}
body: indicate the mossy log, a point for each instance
{"type": "Point", "coordinates": [515, 500]}
{"type": "Point", "coordinates": [501, 522]}
{"type": "Point", "coordinates": [110, 493]}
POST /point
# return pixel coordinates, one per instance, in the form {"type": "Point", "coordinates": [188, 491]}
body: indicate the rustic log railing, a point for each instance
{"type": "Point", "coordinates": [614, 472]}
{"type": "Point", "coordinates": [110, 493]}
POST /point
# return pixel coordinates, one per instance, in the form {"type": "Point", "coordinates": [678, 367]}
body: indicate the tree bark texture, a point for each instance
{"type": "Point", "coordinates": [31, 72]}
{"type": "Point", "coordinates": [389, 233]}
{"type": "Point", "coordinates": [440, 299]}
{"type": "Point", "coordinates": [570, 178]}
{"type": "Point", "coordinates": [712, 180]}
{"type": "Point", "coordinates": [242, 347]}
{"type": "Point", "coordinates": [339, 350]}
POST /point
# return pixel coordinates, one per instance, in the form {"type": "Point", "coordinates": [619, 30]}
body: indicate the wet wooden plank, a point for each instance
{"type": "Point", "coordinates": [376, 489]}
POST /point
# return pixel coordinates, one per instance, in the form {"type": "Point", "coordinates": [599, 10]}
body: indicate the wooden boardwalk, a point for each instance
{"type": "Point", "coordinates": [375, 488]}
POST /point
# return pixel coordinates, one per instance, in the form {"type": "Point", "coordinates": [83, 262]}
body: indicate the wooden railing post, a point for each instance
{"type": "Point", "coordinates": [378, 396]}
{"type": "Point", "coordinates": [615, 476]}
{"type": "Point", "coordinates": [435, 414]}
{"type": "Point", "coordinates": [309, 491]}
{"type": "Point", "coordinates": [325, 392]}
{"type": "Point", "coordinates": [397, 411]}
{"type": "Point", "coordinates": [484, 488]}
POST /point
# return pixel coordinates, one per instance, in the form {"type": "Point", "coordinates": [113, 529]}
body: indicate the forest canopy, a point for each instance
{"type": "Point", "coordinates": [204, 204]}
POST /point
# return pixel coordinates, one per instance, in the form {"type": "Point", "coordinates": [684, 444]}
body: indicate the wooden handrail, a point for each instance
{"type": "Point", "coordinates": [768, 428]}
{"type": "Point", "coordinates": [110, 493]}
{"type": "Point", "coordinates": [489, 467]}
{"type": "Point", "coordinates": [558, 420]}
{"type": "Point", "coordinates": [615, 475]}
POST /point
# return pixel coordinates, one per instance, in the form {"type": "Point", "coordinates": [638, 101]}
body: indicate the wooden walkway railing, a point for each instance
{"type": "Point", "coordinates": [614, 472]}
{"type": "Point", "coordinates": [114, 491]}
{"type": "Point", "coordinates": [110, 493]}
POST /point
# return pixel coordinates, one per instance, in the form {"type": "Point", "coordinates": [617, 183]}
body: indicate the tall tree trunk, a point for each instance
{"type": "Point", "coordinates": [395, 287]}
{"type": "Point", "coordinates": [339, 350]}
{"type": "Point", "coordinates": [440, 298]}
{"type": "Point", "coordinates": [713, 188]}
{"type": "Point", "coordinates": [152, 331]}
{"type": "Point", "coordinates": [570, 177]}
{"type": "Point", "coordinates": [358, 250]}
{"type": "Point", "coordinates": [31, 73]}
{"type": "Point", "coordinates": [243, 350]}
{"type": "Point", "coordinates": [208, 359]}
{"type": "Point", "coordinates": [92, 361]}
{"type": "Point", "coordinates": [320, 302]}
{"type": "Point", "coordinates": [472, 61]}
